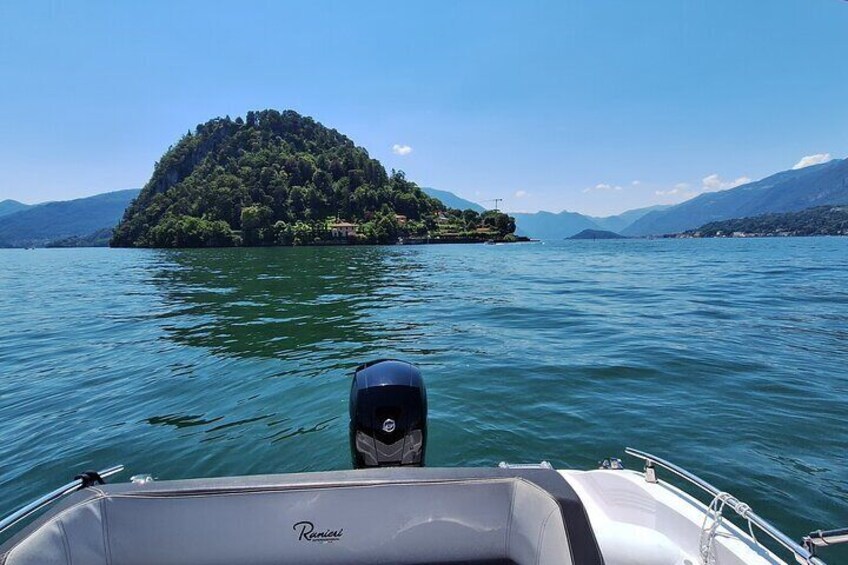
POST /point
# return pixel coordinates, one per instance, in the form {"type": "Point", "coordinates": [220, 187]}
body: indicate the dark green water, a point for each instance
{"type": "Point", "coordinates": [729, 357]}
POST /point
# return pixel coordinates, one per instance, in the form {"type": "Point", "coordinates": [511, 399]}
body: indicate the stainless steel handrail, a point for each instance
{"type": "Point", "coordinates": [52, 496]}
{"type": "Point", "coordinates": [821, 538]}
{"type": "Point", "coordinates": [802, 554]}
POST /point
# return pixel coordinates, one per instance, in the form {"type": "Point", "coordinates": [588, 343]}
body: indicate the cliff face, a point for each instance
{"type": "Point", "coordinates": [179, 163]}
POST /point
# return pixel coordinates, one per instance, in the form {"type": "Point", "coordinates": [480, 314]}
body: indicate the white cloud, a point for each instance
{"type": "Point", "coordinates": [681, 186]}
{"type": "Point", "coordinates": [401, 149]}
{"type": "Point", "coordinates": [636, 182]}
{"type": "Point", "coordinates": [714, 182]}
{"type": "Point", "coordinates": [520, 193]}
{"type": "Point", "coordinates": [816, 159]}
{"type": "Point", "coordinates": [602, 187]}
{"type": "Point", "coordinates": [709, 183]}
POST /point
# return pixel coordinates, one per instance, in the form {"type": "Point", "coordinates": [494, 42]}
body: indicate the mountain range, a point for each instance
{"type": "Point", "coordinates": [547, 225]}
{"type": "Point", "coordinates": [786, 191]}
{"type": "Point", "coordinates": [550, 225]}
{"type": "Point", "coordinates": [40, 224]}
{"type": "Point", "coordinates": [23, 225]}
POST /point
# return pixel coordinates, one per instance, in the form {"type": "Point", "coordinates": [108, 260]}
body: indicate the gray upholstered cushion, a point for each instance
{"type": "Point", "coordinates": [207, 523]}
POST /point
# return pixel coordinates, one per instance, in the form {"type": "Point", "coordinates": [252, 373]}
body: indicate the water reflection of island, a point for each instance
{"type": "Point", "coordinates": [289, 303]}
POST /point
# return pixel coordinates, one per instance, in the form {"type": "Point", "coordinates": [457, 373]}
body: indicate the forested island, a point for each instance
{"type": "Point", "coordinates": [597, 234]}
{"type": "Point", "coordinates": [819, 220]}
{"type": "Point", "coordinates": [279, 178]}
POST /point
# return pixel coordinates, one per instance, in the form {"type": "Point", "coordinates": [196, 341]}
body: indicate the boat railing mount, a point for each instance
{"type": "Point", "coordinates": [804, 552]}
{"type": "Point", "coordinates": [81, 481]}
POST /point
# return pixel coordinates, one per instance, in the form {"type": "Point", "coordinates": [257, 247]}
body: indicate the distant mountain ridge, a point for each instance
{"type": "Point", "coordinates": [621, 221]}
{"type": "Point", "coordinates": [11, 206]}
{"type": "Point", "coordinates": [38, 225]}
{"type": "Point", "coordinates": [451, 200]}
{"type": "Point", "coordinates": [551, 225]}
{"type": "Point", "coordinates": [786, 191]}
{"type": "Point", "coordinates": [547, 225]}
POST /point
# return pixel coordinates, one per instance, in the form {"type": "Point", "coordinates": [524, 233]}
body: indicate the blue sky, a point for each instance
{"type": "Point", "coordinates": [595, 106]}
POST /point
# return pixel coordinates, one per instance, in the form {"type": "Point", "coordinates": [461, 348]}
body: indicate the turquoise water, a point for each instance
{"type": "Point", "coordinates": [729, 357]}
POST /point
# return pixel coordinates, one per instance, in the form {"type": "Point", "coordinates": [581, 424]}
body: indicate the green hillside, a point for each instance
{"type": "Point", "coordinates": [275, 178]}
{"type": "Point", "coordinates": [820, 220]}
{"type": "Point", "coordinates": [597, 234]}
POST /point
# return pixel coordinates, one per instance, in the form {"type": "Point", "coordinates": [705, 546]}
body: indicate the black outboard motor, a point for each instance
{"type": "Point", "coordinates": [388, 415]}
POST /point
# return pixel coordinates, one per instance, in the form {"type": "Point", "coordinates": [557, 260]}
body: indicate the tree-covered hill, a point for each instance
{"type": "Point", "coordinates": [820, 220]}
{"type": "Point", "coordinates": [271, 178]}
{"type": "Point", "coordinates": [597, 234]}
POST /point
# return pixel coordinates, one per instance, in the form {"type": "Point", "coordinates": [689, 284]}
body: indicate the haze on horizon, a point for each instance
{"type": "Point", "coordinates": [595, 107]}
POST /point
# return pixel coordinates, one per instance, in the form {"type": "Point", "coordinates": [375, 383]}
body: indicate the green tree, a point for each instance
{"type": "Point", "coordinates": [302, 234]}
{"type": "Point", "coordinates": [502, 223]}
{"type": "Point", "coordinates": [256, 224]}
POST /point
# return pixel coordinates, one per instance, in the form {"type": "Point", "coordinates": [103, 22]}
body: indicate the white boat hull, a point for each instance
{"type": "Point", "coordinates": [637, 522]}
{"type": "Point", "coordinates": [411, 516]}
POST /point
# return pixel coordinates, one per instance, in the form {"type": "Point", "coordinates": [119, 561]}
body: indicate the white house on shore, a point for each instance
{"type": "Point", "coordinates": [342, 230]}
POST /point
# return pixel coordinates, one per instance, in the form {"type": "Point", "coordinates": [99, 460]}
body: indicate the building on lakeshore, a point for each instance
{"type": "Point", "coordinates": [342, 230]}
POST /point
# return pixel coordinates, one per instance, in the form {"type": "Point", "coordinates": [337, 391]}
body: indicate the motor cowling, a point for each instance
{"type": "Point", "coordinates": [388, 415]}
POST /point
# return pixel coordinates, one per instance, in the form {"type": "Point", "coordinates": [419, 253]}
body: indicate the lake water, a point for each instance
{"type": "Point", "coordinates": [729, 357]}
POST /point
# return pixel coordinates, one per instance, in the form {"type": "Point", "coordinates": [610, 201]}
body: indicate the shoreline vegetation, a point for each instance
{"type": "Point", "coordinates": [279, 179]}
{"type": "Point", "coordinates": [453, 227]}
{"type": "Point", "coordinates": [815, 221]}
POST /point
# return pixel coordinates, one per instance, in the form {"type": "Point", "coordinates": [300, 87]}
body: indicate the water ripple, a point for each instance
{"type": "Point", "coordinates": [727, 356]}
